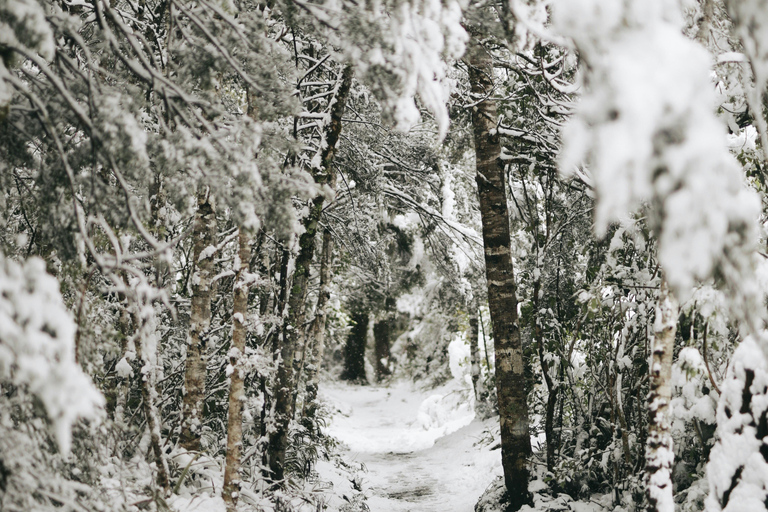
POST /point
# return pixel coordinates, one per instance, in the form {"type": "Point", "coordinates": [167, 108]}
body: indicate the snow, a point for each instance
{"type": "Point", "coordinates": [123, 368]}
{"type": "Point", "coordinates": [736, 467]}
{"type": "Point", "coordinates": [459, 358]}
{"type": "Point", "coordinates": [647, 129]}
{"type": "Point", "coordinates": [37, 347]}
{"type": "Point", "coordinates": [22, 23]}
{"type": "Point", "coordinates": [414, 420]}
{"type": "Point", "coordinates": [419, 447]}
{"type": "Point", "coordinates": [199, 503]}
{"type": "Point", "coordinates": [417, 39]}
{"type": "Point", "coordinates": [206, 253]}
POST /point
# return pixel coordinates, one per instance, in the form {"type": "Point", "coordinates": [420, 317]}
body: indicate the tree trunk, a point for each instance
{"type": "Point", "coordinates": [204, 235]}
{"type": "Point", "coordinates": [317, 330]}
{"type": "Point", "coordinates": [485, 339]}
{"type": "Point", "coordinates": [552, 387]}
{"type": "Point", "coordinates": [148, 396]}
{"type": "Point", "coordinates": [354, 349]}
{"type": "Point", "coordinates": [474, 351]}
{"type": "Point", "coordinates": [294, 325]}
{"type": "Point", "coordinates": [659, 454]}
{"type": "Point", "coordinates": [381, 335]}
{"type": "Point", "coordinates": [231, 489]}
{"type": "Point", "coordinates": [502, 299]}
{"type": "Point", "coordinates": [148, 400]}
{"type": "Point", "coordinates": [122, 387]}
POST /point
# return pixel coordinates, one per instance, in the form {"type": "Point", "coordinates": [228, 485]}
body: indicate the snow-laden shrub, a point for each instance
{"type": "Point", "coordinates": [738, 465]}
{"type": "Point", "coordinates": [43, 392]}
{"type": "Point", "coordinates": [37, 347]}
{"type": "Point", "coordinates": [646, 128]}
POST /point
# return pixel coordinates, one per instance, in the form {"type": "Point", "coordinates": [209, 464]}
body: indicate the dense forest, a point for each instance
{"type": "Point", "coordinates": [220, 217]}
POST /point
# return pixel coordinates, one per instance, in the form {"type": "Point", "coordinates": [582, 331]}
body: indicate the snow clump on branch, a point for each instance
{"type": "Point", "coordinates": [37, 347]}
{"type": "Point", "coordinates": [22, 23]}
{"type": "Point", "coordinates": [738, 464]}
{"type": "Point", "coordinates": [402, 49]}
{"type": "Point", "coordinates": [646, 128]}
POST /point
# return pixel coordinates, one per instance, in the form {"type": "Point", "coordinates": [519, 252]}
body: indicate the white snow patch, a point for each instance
{"type": "Point", "coordinates": [441, 468]}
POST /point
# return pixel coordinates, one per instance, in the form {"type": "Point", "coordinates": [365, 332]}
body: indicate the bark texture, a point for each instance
{"type": "Point", "coordinates": [502, 298]}
{"type": "Point", "coordinates": [204, 235]}
{"type": "Point", "coordinates": [294, 325]}
{"type": "Point", "coordinates": [231, 489]}
{"type": "Point", "coordinates": [317, 330]}
{"type": "Point", "coordinates": [148, 398]}
{"type": "Point", "coordinates": [659, 454]}
{"type": "Point", "coordinates": [474, 352]}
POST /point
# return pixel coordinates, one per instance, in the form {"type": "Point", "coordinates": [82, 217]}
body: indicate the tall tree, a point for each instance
{"type": "Point", "coordinates": [317, 329]}
{"type": "Point", "coordinates": [204, 235]}
{"type": "Point", "coordinates": [502, 298]}
{"type": "Point", "coordinates": [381, 339]}
{"type": "Point", "coordinates": [354, 348]}
{"type": "Point", "coordinates": [237, 378]}
{"type": "Point", "coordinates": [474, 351]}
{"type": "Point", "coordinates": [659, 453]}
{"type": "Point", "coordinates": [293, 328]}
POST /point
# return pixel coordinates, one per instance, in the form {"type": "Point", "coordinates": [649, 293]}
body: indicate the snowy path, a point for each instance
{"type": "Point", "coordinates": [410, 467]}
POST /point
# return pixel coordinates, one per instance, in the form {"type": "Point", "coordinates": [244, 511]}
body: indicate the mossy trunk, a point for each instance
{"type": "Point", "coordinates": [381, 338]}
{"type": "Point", "coordinates": [474, 352]}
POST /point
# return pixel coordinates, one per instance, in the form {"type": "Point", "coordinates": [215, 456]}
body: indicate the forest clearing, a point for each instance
{"type": "Point", "coordinates": [383, 255]}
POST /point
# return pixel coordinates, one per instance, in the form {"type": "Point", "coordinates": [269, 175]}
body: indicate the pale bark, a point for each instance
{"type": "Point", "coordinates": [148, 400]}
{"type": "Point", "coordinates": [148, 397]}
{"type": "Point", "coordinates": [317, 330]}
{"type": "Point", "coordinates": [659, 452]}
{"type": "Point", "coordinates": [204, 235]}
{"type": "Point", "coordinates": [122, 387]}
{"type": "Point", "coordinates": [502, 298]}
{"type": "Point", "coordinates": [231, 489]}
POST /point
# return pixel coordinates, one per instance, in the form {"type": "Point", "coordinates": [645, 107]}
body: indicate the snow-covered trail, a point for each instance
{"type": "Point", "coordinates": [421, 448]}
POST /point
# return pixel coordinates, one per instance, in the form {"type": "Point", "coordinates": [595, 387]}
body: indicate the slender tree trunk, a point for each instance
{"type": "Point", "coordinates": [659, 452]}
{"type": "Point", "coordinates": [204, 235]}
{"type": "Point", "coordinates": [552, 388]}
{"type": "Point", "coordinates": [122, 387]}
{"type": "Point", "coordinates": [484, 338]}
{"type": "Point", "coordinates": [381, 348]}
{"type": "Point", "coordinates": [381, 337]}
{"type": "Point", "coordinates": [317, 330]}
{"type": "Point", "coordinates": [502, 298]}
{"type": "Point", "coordinates": [148, 399]}
{"type": "Point", "coordinates": [236, 386]}
{"type": "Point", "coordinates": [474, 351]}
{"type": "Point", "coordinates": [354, 349]}
{"type": "Point", "coordinates": [294, 325]}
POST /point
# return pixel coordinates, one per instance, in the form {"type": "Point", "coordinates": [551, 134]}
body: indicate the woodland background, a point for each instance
{"type": "Point", "coordinates": [209, 206]}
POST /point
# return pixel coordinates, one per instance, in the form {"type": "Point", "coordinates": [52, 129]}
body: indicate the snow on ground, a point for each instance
{"type": "Point", "coordinates": [423, 450]}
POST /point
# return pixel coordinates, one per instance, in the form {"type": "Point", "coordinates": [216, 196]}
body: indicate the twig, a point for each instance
{"type": "Point", "coordinates": [706, 360]}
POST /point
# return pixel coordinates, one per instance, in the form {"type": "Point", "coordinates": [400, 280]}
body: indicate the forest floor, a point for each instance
{"type": "Point", "coordinates": [421, 450]}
